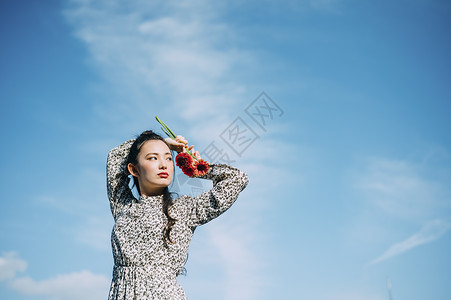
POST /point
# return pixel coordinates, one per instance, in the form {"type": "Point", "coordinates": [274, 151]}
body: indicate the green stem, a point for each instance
{"type": "Point", "coordinates": [172, 135]}
{"type": "Point", "coordinates": [189, 152]}
{"type": "Point", "coordinates": [166, 128]}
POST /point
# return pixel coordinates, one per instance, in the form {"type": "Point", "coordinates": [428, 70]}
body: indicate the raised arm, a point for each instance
{"type": "Point", "coordinates": [228, 182]}
{"type": "Point", "coordinates": [118, 190]}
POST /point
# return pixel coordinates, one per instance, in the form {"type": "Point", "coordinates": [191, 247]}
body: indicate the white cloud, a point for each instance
{"type": "Point", "coordinates": [394, 198]}
{"type": "Point", "coordinates": [238, 259]}
{"type": "Point", "coordinates": [95, 232]}
{"type": "Point", "coordinates": [179, 59]}
{"type": "Point", "coordinates": [402, 189]}
{"type": "Point", "coordinates": [10, 264]}
{"type": "Point", "coordinates": [175, 59]}
{"type": "Point", "coordinates": [87, 210]}
{"type": "Point", "coordinates": [430, 232]}
{"type": "Point", "coordinates": [158, 56]}
{"type": "Point", "coordinates": [73, 286]}
{"type": "Point", "coordinates": [79, 202]}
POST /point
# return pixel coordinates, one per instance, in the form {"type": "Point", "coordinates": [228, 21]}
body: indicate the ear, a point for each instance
{"type": "Point", "coordinates": [133, 170]}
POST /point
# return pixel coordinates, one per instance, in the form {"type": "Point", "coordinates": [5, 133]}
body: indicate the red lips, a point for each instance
{"type": "Point", "coordinates": [163, 175]}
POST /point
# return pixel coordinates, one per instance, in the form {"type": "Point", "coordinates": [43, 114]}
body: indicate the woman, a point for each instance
{"type": "Point", "coordinates": [151, 235]}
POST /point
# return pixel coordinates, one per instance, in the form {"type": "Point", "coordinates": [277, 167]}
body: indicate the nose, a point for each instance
{"type": "Point", "coordinates": [163, 164]}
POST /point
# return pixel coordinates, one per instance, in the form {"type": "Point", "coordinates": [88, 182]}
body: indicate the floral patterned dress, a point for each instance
{"type": "Point", "coordinates": [145, 266]}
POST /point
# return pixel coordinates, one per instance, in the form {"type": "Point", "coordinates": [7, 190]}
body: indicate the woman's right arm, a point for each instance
{"type": "Point", "coordinates": [118, 190]}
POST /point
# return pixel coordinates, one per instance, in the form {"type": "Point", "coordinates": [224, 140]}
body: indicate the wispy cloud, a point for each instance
{"type": "Point", "coordinates": [407, 195]}
{"type": "Point", "coordinates": [95, 232]}
{"type": "Point", "coordinates": [91, 227]}
{"type": "Point", "coordinates": [178, 59]}
{"type": "Point", "coordinates": [430, 232]}
{"type": "Point", "coordinates": [86, 210]}
{"type": "Point", "coordinates": [238, 259]}
{"type": "Point", "coordinates": [10, 264]}
{"type": "Point", "coordinates": [73, 286]}
{"type": "Point", "coordinates": [403, 189]}
{"type": "Point", "coordinates": [77, 285]}
{"type": "Point", "coordinates": [162, 56]}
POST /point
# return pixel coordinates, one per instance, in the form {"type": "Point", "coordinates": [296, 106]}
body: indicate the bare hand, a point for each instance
{"type": "Point", "coordinates": [177, 144]}
{"type": "Point", "coordinates": [180, 144]}
{"type": "Point", "coordinates": [193, 152]}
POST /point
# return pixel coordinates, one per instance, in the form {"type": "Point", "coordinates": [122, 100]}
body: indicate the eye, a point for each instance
{"type": "Point", "coordinates": [151, 158]}
{"type": "Point", "coordinates": [169, 158]}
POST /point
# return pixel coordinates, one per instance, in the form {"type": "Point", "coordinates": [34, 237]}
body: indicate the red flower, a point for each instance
{"type": "Point", "coordinates": [201, 167]}
{"type": "Point", "coordinates": [188, 171]}
{"type": "Point", "coordinates": [183, 160]}
{"type": "Point", "coordinates": [191, 167]}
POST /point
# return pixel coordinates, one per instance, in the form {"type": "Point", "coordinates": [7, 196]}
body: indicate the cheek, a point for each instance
{"type": "Point", "coordinates": [171, 168]}
{"type": "Point", "coordinates": [148, 167]}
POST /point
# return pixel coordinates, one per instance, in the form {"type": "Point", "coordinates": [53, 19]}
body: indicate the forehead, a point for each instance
{"type": "Point", "coordinates": [154, 146]}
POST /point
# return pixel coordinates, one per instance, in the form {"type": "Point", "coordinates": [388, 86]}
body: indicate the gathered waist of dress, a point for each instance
{"type": "Point", "coordinates": [147, 270]}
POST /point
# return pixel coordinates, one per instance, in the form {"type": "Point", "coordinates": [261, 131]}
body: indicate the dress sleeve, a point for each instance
{"type": "Point", "coordinates": [228, 182]}
{"type": "Point", "coordinates": [118, 190]}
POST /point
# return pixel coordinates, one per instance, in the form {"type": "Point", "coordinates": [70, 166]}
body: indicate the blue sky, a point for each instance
{"type": "Point", "coordinates": [349, 175]}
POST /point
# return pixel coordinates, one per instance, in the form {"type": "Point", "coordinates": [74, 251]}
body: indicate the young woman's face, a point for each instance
{"type": "Point", "coordinates": [155, 167]}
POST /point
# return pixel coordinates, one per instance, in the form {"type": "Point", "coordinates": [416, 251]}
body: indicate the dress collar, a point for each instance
{"type": "Point", "coordinates": [152, 200]}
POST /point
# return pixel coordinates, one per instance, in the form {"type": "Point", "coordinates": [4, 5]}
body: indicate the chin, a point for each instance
{"type": "Point", "coordinates": [166, 183]}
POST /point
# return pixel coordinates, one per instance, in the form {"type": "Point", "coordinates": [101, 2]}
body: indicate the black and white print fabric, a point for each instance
{"type": "Point", "coordinates": [145, 265]}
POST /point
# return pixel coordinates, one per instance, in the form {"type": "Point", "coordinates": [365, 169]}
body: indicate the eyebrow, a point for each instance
{"type": "Point", "coordinates": [154, 153]}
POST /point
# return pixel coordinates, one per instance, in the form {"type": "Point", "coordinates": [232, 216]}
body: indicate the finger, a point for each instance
{"type": "Point", "coordinates": [181, 139]}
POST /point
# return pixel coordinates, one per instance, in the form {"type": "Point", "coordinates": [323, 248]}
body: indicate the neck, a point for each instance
{"type": "Point", "coordinates": [153, 192]}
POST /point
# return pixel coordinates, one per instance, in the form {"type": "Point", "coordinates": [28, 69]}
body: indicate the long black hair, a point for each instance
{"type": "Point", "coordinates": [132, 158]}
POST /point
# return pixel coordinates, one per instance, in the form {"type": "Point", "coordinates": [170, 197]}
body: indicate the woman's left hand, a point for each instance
{"type": "Point", "coordinates": [177, 144]}
{"type": "Point", "coordinates": [195, 153]}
